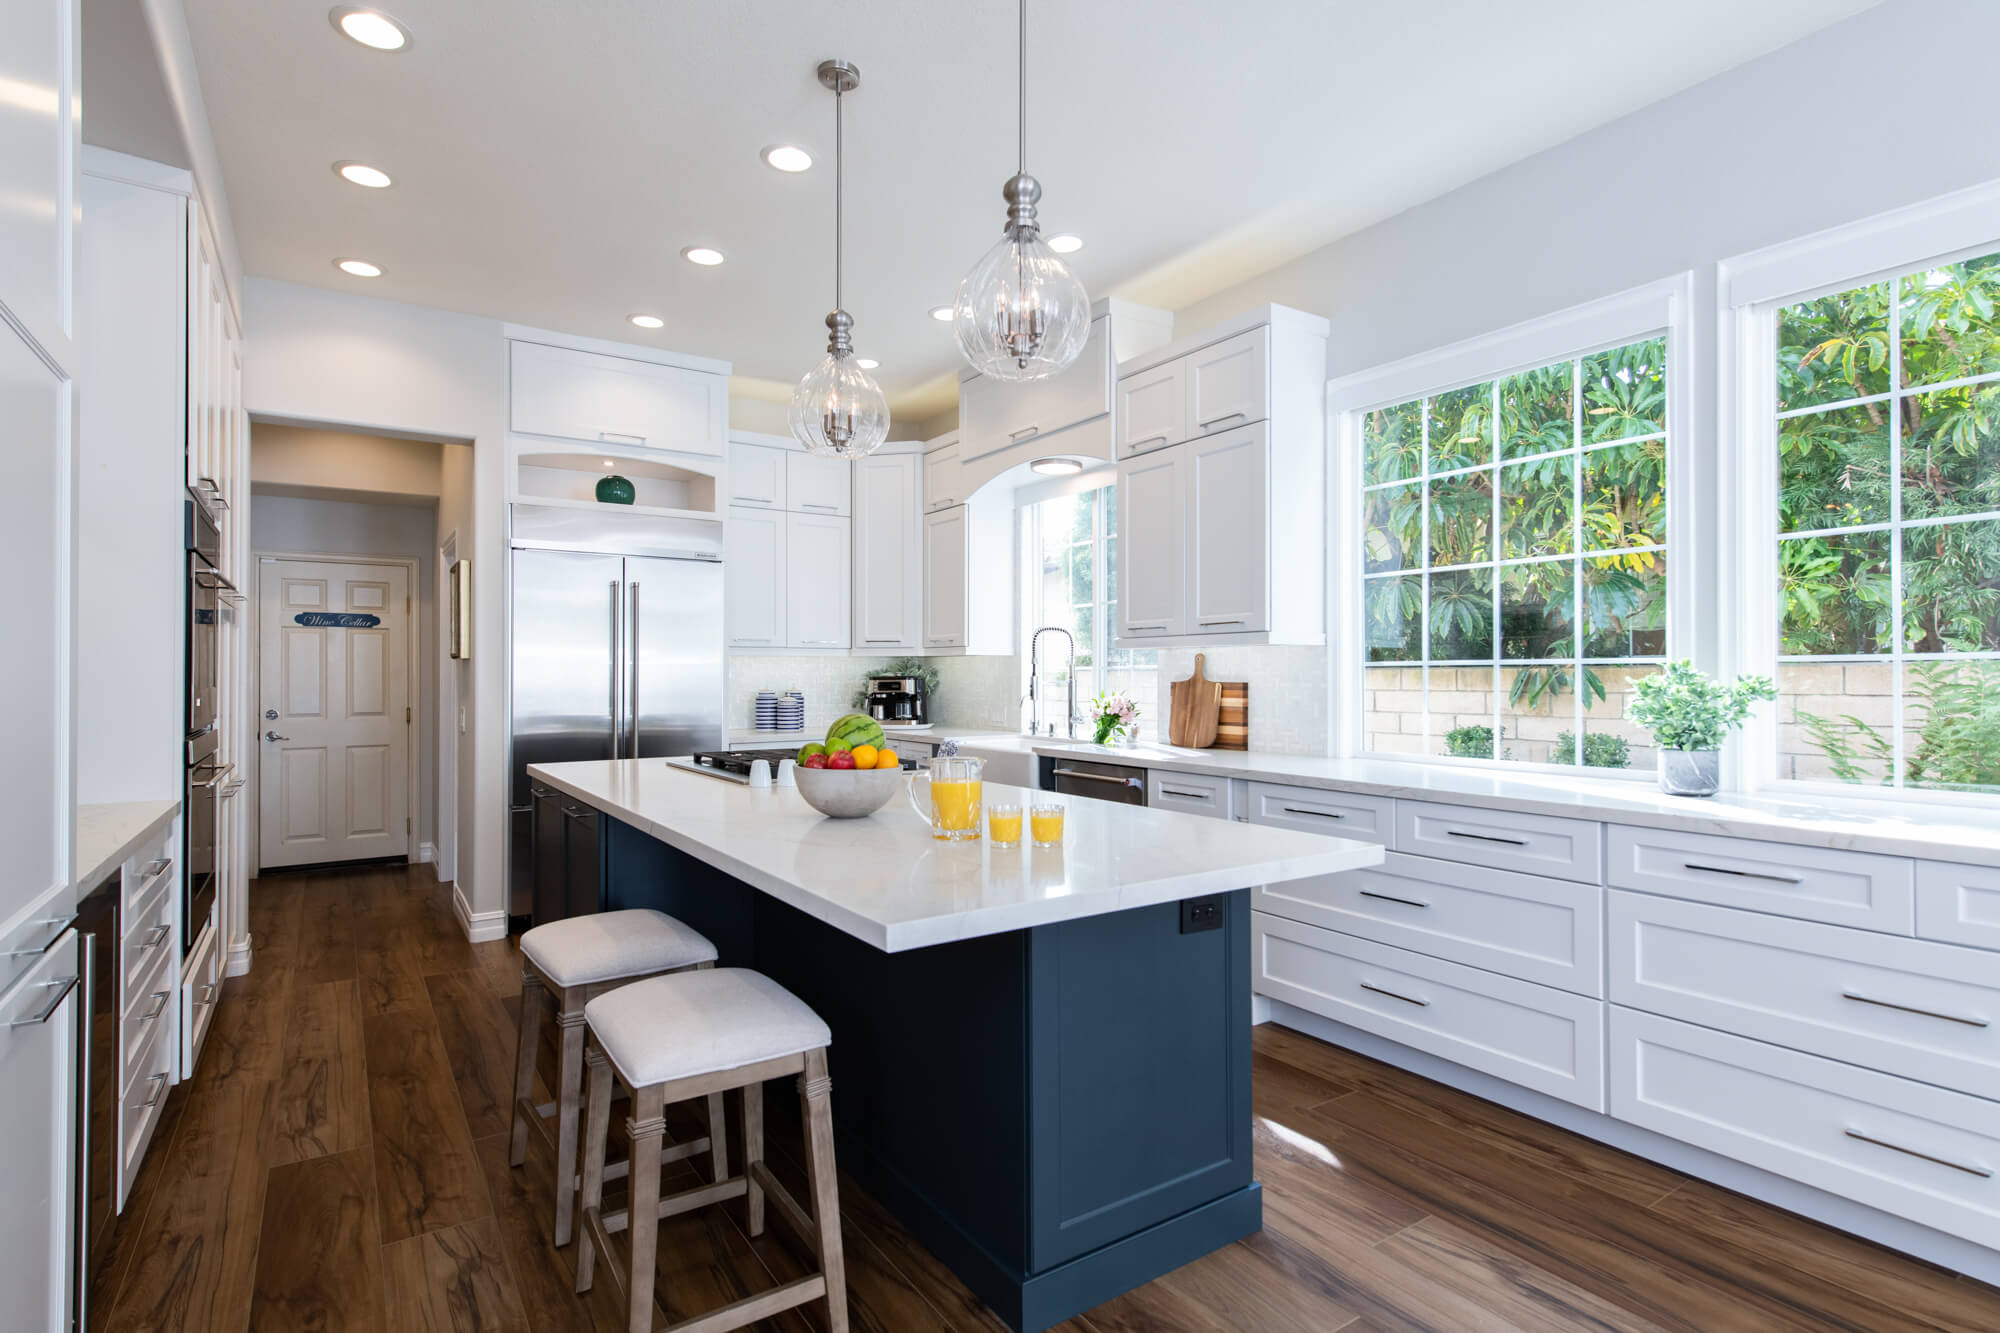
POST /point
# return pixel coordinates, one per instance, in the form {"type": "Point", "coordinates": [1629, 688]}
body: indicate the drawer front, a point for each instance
{"type": "Point", "coordinates": [148, 937]}
{"type": "Point", "coordinates": [201, 992]}
{"type": "Point", "coordinates": [1544, 1039]}
{"type": "Point", "coordinates": [1922, 1010]}
{"type": "Point", "coordinates": [1536, 844]}
{"type": "Point", "coordinates": [1845, 888]}
{"type": "Point", "coordinates": [139, 1105]}
{"type": "Point", "coordinates": [1919, 1152]}
{"type": "Point", "coordinates": [1342, 814]}
{"type": "Point", "coordinates": [1194, 793]}
{"type": "Point", "coordinates": [1152, 409]}
{"type": "Point", "coordinates": [136, 1027]}
{"type": "Point", "coordinates": [1958, 904]}
{"type": "Point", "coordinates": [144, 884]}
{"type": "Point", "coordinates": [1527, 926]}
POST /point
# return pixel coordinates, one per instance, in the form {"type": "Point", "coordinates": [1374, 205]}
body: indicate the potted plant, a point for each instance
{"type": "Point", "coordinates": [1689, 714]}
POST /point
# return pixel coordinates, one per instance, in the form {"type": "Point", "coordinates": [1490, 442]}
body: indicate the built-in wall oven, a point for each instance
{"type": "Point", "coordinates": [201, 810]}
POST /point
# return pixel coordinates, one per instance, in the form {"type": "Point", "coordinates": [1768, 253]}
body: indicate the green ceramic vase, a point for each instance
{"type": "Point", "coordinates": [614, 490]}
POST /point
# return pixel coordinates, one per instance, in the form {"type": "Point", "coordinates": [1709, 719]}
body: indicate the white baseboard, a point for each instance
{"type": "Point", "coordinates": [237, 963]}
{"type": "Point", "coordinates": [426, 852]}
{"type": "Point", "coordinates": [478, 926]}
{"type": "Point", "coordinates": [1947, 1251]}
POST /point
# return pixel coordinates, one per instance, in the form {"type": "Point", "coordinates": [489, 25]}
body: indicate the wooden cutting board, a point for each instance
{"type": "Point", "coordinates": [1196, 709]}
{"type": "Point", "coordinates": [1232, 730]}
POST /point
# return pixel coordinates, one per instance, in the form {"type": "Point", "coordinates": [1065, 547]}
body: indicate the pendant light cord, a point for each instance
{"type": "Point", "coordinates": [839, 171]}
{"type": "Point", "coordinates": [1022, 168]}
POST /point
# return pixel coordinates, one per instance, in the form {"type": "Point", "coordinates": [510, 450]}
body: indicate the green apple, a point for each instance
{"type": "Point", "coordinates": [836, 746]}
{"type": "Point", "coordinates": [808, 750]}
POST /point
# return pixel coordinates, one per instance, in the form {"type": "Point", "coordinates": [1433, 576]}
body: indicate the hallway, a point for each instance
{"type": "Point", "coordinates": [339, 1162]}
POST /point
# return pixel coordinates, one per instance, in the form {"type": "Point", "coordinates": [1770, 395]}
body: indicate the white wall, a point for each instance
{"type": "Point", "coordinates": [339, 360]}
{"type": "Point", "coordinates": [286, 524]}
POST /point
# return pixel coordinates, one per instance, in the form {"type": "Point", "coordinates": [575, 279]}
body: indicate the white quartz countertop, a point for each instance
{"type": "Point", "coordinates": [1940, 832]}
{"type": "Point", "coordinates": [887, 882]}
{"type": "Point", "coordinates": [107, 834]}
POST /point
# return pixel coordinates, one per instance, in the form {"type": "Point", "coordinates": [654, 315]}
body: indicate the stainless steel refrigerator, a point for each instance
{"type": "Point", "coordinates": [617, 652]}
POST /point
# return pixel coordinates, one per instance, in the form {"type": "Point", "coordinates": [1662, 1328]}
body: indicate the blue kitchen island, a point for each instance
{"type": "Point", "coordinates": [1041, 1057]}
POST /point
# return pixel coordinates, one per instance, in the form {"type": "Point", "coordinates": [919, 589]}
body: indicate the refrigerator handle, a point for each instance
{"type": "Point", "coordinates": [617, 673]}
{"type": "Point", "coordinates": [632, 670]}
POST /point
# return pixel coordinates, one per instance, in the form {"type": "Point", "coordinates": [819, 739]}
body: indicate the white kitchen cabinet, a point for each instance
{"type": "Point", "coordinates": [815, 485]}
{"type": "Point", "coordinates": [39, 1042]}
{"type": "Point", "coordinates": [754, 578]}
{"type": "Point", "coordinates": [40, 41]}
{"type": "Point", "coordinates": [1231, 538]}
{"type": "Point", "coordinates": [1152, 541]}
{"type": "Point", "coordinates": [1818, 883]}
{"type": "Point", "coordinates": [1959, 903]}
{"type": "Point", "coordinates": [968, 579]}
{"type": "Point", "coordinates": [817, 555]}
{"type": "Point", "coordinates": [996, 414]}
{"type": "Point", "coordinates": [941, 478]}
{"type": "Point", "coordinates": [569, 394]}
{"type": "Point", "coordinates": [1229, 383]}
{"type": "Point", "coordinates": [756, 475]}
{"type": "Point", "coordinates": [1152, 409]}
{"type": "Point", "coordinates": [888, 553]}
{"type": "Point", "coordinates": [1230, 557]}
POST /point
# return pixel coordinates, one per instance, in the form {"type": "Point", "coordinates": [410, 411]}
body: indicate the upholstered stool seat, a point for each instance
{"type": "Point", "coordinates": [574, 961]}
{"type": "Point", "coordinates": [698, 1034]}
{"type": "Point", "coordinates": [612, 946]}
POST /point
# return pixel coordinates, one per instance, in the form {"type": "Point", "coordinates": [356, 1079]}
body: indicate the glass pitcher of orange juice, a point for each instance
{"type": "Point", "coordinates": [951, 799]}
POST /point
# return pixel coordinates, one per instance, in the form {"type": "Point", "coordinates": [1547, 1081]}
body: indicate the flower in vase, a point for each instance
{"type": "Point", "coordinates": [1114, 715]}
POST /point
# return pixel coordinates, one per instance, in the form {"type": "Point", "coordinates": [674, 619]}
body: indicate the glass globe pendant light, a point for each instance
{"type": "Point", "coordinates": [838, 410]}
{"type": "Point", "coordinates": [1020, 313]}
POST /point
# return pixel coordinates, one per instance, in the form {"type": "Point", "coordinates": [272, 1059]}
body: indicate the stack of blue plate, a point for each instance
{"type": "Point", "coordinates": [791, 711]}
{"type": "Point", "coordinates": [767, 710]}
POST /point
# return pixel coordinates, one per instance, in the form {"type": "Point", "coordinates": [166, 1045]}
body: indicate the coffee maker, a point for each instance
{"type": "Point", "coordinates": [898, 701]}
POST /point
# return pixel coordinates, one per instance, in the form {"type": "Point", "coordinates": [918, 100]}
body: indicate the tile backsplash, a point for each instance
{"type": "Point", "coordinates": [1288, 692]}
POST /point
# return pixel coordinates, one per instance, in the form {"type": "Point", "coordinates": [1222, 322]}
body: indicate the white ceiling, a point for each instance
{"type": "Point", "coordinates": [552, 158]}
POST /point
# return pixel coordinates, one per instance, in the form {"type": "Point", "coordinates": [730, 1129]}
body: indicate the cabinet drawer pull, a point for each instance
{"type": "Point", "coordinates": [1226, 416]}
{"type": "Point", "coordinates": [1188, 795]}
{"type": "Point", "coordinates": [1912, 1009]}
{"type": "Point", "coordinates": [1024, 432]}
{"type": "Point", "coordinates": [158, 1092]}
{"type": "Point", "coordinates": [160, 933]}
{"type": "Point", "coordinates": [1097, 777]}
{"type": "Point", "coordinates": [158, 866]}
{"type": "Point", "coordinates": [1392, 898]}
{"type": "Point", "coordinates": [62, 987]}
{"type": "Point", "coordinates": [1485, 837]}
{"type": "Point", "coordinates": [577, 812]}
{"type": "Point", "coordinates": [59, 924]}
{"type": "Point", "coordinates": [1979, 1171]}
{"type": "Point", "coordinates": [1743, 874]}
{"type": "Point", "coordinates": [618, 437]}
{"type": "Point", "coordinates": [881, 641]}
{"type": "Point", "coordinates": [1134, 444]}
{"type": "Point", "coordinates": [1322, 814]}
{"type": "Point", "coordinates": [1207, 624]}
{"type": "Point", "coordinates": [159, 1003]}
{"type": "Point", "coordinates": [1394, 996]}
{"type": "Point", "coordinates": [831, 509]}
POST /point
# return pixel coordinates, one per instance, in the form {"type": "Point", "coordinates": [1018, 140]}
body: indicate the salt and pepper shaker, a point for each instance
{"type": "Point", "coordinates": [785, 768]}
{"type": "Point", "coordinates": [760, 773]}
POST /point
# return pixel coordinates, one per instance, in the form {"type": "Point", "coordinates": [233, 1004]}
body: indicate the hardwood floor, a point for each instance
{"type": "Point", "coordinates": [339, 1162]}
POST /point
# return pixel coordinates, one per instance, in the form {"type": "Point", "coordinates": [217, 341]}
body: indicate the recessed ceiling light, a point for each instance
{"type": "Point", "coordinates": [608, 462]}
{"type": "Point", "coordinates": [360, 173]}
{"type": "Point", "coordinates": [866, 362]}
{"type": "Point", "coordinates": [941, 312]}
{"type": "Point", "coordinates": [648, 321]}
{"type": "Point", "coordinates": [1056, 467]}
{"type": "Point", "coordinates": [788, 157]}
{"type": "Point", "coordinates": [1065, 244]}
{"type": "Point", "coordinates": [370, 27]}
{"type": "Point", "coordinates": [701, 254]}
{"type": "Point", "coordinates": [358, 268]}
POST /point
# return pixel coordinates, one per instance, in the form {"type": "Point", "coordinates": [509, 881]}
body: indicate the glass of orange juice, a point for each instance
{"type": "Point", "coordinates": [1003, 825]}
{"type": "Point", "coordinates": [1045, 822]}
{"type": "Point", "coordinates": [953, 788]}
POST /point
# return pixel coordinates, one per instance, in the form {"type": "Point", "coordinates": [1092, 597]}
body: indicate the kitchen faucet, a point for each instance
{"type": "Point", "coordinates": [1035, 680]}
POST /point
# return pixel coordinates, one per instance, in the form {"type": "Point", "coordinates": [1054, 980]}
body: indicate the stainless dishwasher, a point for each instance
{"type": "Point", "coordinates": [1103, 782]}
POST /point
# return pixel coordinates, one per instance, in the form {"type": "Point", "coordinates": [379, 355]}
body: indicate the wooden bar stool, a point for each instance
{"type": "Point", "coordinates": [574, 961]}
{"type": "Point", "coordinates": [698, 1034]}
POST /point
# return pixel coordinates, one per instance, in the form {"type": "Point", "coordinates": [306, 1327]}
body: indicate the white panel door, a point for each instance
{"type": "Point", "coordinates": [1228, 385]}
{"type": "Point", "coordinates": [815, 485]}
{"type": "Point", "coordinates": [756, 476]}
{"type": "Point", "coordinates": [1152, 554]}
{"type": "Point", "coordinates": [888, 563]}
{"type": "Point", "coordinates": [753, 563]}
{"type": "Point", "coordinates": [817, 581]}
{"type": "Point", "coordinates": [1152, 409]}
{"type": "Point", "coordinates": [39, 181]}
{"type": "Point", "coordinates": [944, 578]}
{"type": "Point", "coordinates": [573, 395]}
{"type": "Point", "coordinates": [333, 709]}
{"type": "Point", "coordinates": [941, 479]}
{"type": "Point", "coordinates": [1229, 525]}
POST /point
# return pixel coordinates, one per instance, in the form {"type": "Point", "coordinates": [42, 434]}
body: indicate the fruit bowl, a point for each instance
{"type": "Point", "coordinates": [848, 793]}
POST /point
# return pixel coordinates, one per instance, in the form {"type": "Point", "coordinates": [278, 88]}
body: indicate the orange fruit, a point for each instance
{"type": "Point", "coordinates": [864, 756]}
{"type": "Point", "coordinates": [888, 759]}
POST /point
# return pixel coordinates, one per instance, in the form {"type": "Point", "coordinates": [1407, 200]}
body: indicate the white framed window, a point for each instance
{"type": "Point", "coordinates": [1504, 512]}
{"type": "Point", "coordinates": [1069, 547]}
{"type": "Point", "coordinates": [1865, 368]}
